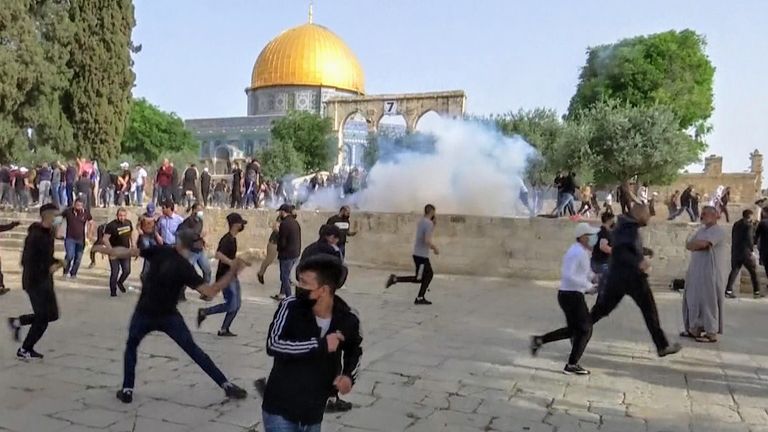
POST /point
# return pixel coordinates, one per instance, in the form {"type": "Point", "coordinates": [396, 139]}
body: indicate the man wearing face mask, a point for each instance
{"type": "Point", "coordinates": [315, 341]}
{"type": "Point", "coordinates": [576, 279]}
{"type": "Point", "coordinates": [38, 266]}
{"type": "Point", "coordinates": [627, 275]}
{"type": "Point", "coordinates": [169, 274]}
{"type": "Point", "coordinates": [226, 253]}
{"type": "Point", "coordinates": [194, 223]}
{"type": "Point", "coordinates": [327, 243]}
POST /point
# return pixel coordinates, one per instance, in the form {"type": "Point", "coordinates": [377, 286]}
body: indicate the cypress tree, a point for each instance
{"type": "Point", "coordinates": [98, 101]}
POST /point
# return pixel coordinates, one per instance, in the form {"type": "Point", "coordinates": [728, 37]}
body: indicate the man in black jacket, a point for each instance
{"type": "Point", "coordinates": [761, 238]}
{"type": "Point", "coordinates": [288, 248]}
{"type": "Point", "coordinates": [742, 245]}
{"type": "Point", "coordinates": [627, 276]}
{"type": "Point", "coordinates": [38, 267]}
{"type": "Point", "coordinates": [308, 338]}
{"type": "Point", "coordinates": [326, 244]}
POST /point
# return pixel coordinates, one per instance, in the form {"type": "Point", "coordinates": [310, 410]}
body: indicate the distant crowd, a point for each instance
{"type": "Point", "coordinates": [689, 201]}
{"type": "Point", "coordinates": [60, 183]}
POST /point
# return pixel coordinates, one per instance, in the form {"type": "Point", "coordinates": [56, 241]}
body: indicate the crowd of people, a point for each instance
{"type": "Point", "coordinates": [315, 336]}
{"type": "Point", "coordinates": [689, 201]}
{"type": "Point", "coordinates": [245, 187]}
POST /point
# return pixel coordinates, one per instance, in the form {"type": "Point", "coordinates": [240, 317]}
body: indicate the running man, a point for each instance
{"type": "Point", "coordinates": [169, 274]}
{"type": "Point", "coordinates": [226, 253]}
{"type": "Point", "coordinates": [627, 276]}
{"type": "Point", "coordinates": [38, 266]}
{"type": "Point", "coordinates": [576, 279]}
{"type": "Point", "coordinates": [421, 248]}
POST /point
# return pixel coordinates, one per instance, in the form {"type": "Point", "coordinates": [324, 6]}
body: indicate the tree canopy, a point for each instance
{"type": "Point", "coordinates": [67, 76]}
{"type": "Point", "coordinates": [152, 132]}
{"type": "Point", "coordinates": [621, 142]}
{"type": "Point", "coordinates": [309, 134]}
{"type": "Point", "coordinates": [280, 159]}
{"type": "Point", "coordinates": [669, 69]}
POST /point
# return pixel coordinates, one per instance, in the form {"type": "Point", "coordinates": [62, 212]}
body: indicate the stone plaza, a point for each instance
{"type": "Point", "coordinates": [459, 365]}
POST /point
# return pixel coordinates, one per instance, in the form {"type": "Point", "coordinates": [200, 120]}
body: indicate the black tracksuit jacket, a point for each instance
{"type": "Point", "coordinates": [303, 372]}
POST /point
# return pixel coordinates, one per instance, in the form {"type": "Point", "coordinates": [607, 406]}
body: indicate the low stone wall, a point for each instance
{"type": "Point", "coordinates": [470, 245]}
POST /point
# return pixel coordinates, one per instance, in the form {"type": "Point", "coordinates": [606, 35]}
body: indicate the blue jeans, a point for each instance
{"type": "Point", "coordinates": [232, 300]}
{"type": "Point", "coordinates": [201, 260]}
{"type": "Point", "coordinates": [63, 202]}
{"type": "Point", "coordinates": [276, 423]}
{"type": "Point", "coordinates": [173, 325]}
{"type": "Point", "coordinates": [566, 199]}
{"type": "Point", "coordinates": [56, 193]}
{"type": "Point", "coordinates": [682, 210]}
{"type": "Point", "coordinates": [286, 266]}
{"type": "Point", "coordinates": [139, 200]}
{"type": "Point", "coordinates": [73, 255]}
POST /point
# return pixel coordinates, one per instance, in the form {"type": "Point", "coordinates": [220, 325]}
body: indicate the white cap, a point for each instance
{"type": "Point", "coordinates": [205, 169]}
{"type": "Point", "coordinates": [584, 229]}
{"type": "Point", "coordinates": [23, 169]}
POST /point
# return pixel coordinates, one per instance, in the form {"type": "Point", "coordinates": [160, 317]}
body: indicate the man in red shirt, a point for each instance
{"type": "Point", "coordinates": [164, 181]}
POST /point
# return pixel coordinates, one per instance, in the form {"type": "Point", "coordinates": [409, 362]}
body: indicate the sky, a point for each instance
{"type": "Point", "coordinates": [197, 55]}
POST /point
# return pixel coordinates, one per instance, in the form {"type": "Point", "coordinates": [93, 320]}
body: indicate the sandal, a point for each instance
{"type": "Point", "coordinates": [706, 338]}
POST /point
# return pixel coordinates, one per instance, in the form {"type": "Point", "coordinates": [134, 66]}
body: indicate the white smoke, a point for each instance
{"type": "Point", "coordinates": [473, 170]}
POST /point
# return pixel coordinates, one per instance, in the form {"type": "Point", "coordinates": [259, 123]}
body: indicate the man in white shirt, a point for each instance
{"type": "Point", "coordinates": [576, 280]}
{"type": "Point", "coordinates": [140, 179]}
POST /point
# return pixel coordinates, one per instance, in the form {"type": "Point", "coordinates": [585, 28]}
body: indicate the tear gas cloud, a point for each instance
{"type": "Point", "coordinates": [460, 166]}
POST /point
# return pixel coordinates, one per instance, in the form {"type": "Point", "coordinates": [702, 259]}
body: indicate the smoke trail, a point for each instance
{"type": "Point", "coordinates": [472, 169]}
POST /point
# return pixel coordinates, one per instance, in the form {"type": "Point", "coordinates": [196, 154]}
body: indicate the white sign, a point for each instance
{"type": "Point", "coordinates": [390, 108]}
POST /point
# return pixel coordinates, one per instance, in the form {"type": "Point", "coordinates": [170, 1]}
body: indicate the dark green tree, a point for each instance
{"type": "Point", "coordinates": [309, 135]}
{"type": "Point", "coordinates": [34, 38]}
{"type": "Point", "coordinates": [98, 101]}
{"type": "Point", "coordinates": [670, 69]}
{"type": "Point", "coordinates": [622, 142]}
{"type": "Point", "coordinates": [152, 132]}
{"type": "Point", "coordinates": [280, 159]}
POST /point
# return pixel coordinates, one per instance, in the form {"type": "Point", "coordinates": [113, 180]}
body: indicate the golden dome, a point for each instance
{"type": "Point", "coordinates": [308, 55]}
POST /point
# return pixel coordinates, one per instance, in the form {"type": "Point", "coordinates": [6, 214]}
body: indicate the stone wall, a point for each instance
{"type": "Point", "coordinates": [483, 246]}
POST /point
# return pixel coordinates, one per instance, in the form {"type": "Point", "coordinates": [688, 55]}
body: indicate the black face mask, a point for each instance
{"type": "Point", "coordinates": [302, 295]}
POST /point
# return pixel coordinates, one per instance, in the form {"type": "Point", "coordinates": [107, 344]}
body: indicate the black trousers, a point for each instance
{"type": "Point", "coordinates": [423, 275]}
{"type": "Point", "coordinates": [45, 309]}
{"type": "Point", "coordinates": [119, 270]}
{"type": "Point", "coordinates": [579, 324]}
{"type": "Point", "coordinates": [237, 198]}
{"type": "Point", "coordinates": [615, 290]}
{"type": "Point", "coordinates": [736, 265]}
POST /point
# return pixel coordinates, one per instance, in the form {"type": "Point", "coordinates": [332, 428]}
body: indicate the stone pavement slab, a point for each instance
{"type": "Point", "coordinates": [459, 365]}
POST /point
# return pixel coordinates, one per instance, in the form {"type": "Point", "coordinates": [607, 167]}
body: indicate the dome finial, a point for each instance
{"type": "Point", "coordinates": [310, 11]}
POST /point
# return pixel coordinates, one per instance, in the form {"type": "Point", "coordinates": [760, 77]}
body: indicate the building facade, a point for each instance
{"type": "Point", "coordinates": [298, 70]}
